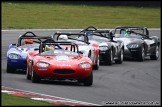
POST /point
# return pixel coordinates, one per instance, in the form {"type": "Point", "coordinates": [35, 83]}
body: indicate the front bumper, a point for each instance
{"type": "Point", "coordinates": [55, 72]}
{"type": "Point", "coordinates": [103, 56]}
{"type": "Point", "coordinates": [131, 53]}
{"type": "Point", "coordinates": [17, 63]}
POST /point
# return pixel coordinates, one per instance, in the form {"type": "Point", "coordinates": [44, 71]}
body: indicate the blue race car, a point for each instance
{"type": "Point", "coordinates": [17, 53]}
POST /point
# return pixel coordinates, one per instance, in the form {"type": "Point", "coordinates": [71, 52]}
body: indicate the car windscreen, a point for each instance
{"type": "Point", "coordinates": [73, 41]}
{"type": "Point", "coordinates": [31, 47]}
{"type": "Point", "coordinates": [57, 52]}
{"type": "Point", "coordinates": [132, 33]}
{"type": "Point", "coordinates": [98, 38]}
{"type": "Point", "coordinates": [128, 36]}
{"type": "Point", "coordinates": [81, 39]}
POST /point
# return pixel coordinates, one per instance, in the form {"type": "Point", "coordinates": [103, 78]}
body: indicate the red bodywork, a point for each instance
{"type": "Point", "coordinates": [96, 51]}
{"type": "Point", "coordinates": [59, 68]}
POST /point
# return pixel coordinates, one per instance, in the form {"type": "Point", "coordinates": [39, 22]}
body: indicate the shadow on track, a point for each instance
{"type": "Point", "coordinates": [60, 82]}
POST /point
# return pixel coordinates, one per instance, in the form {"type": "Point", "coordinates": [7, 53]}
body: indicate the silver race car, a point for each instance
{"type": "Point", "coordinates": [88, 49]}
{"type": "Point", "coordinates": [137, 42]}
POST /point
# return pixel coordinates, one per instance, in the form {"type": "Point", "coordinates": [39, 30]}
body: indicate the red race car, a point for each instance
{"type": "Point", "coordinates": [54, 62]}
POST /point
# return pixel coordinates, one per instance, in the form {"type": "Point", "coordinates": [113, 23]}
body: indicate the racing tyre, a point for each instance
{"type": "Point", "coordinates": [120, 57]}
{"type": "Point", "coordinates": [96, 66]}
{"type": "Point", "coordinates": [156, 55]}
{"type": "Point", "coordinates": [10, 69]}
{"type": "Point", "coordinates": [89, 80]}
{"type": "Point", "coordinates": [34, 77]}
{"type": "Point", "coordinates": [89, 55]}
{"type": "Point", "coordinates": [27, 74]}
{"type": "Point", "coordinates": [142, 54]}
{"type": "Point", "coordinates": [110, 57]}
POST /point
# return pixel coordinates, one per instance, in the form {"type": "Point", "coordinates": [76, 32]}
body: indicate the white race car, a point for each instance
{"type": "Point", "coordinates": [90, 50]}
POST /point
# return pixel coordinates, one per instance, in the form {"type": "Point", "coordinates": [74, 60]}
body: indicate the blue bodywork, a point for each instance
{"type": "Point", "coordinates": [16, 56]}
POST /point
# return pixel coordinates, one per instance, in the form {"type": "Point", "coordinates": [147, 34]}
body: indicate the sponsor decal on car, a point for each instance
{"type": "Point", "coordinates": [62, 58]}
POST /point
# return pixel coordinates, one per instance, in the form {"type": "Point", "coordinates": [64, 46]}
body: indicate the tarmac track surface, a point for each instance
{"type": "Point", "coordinates": [129, 81]}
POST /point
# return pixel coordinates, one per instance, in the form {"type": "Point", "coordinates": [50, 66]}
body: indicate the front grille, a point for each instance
{"type": "Point", "coordinates": [64, 71]}
{"type": "Point", "coordinates": [103, 57]}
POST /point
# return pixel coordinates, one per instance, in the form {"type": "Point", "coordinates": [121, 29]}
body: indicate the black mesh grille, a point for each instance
{"type": "Point", "coordinates": [64, 71]}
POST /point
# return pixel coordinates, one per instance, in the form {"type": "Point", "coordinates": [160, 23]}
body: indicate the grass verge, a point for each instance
{"type": "Point", "coordinates": [9, 100]}
{"type": "Point", "coordinates": [53, 16]}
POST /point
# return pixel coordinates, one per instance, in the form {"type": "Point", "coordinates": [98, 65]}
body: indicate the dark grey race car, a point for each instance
{"type": "Point", "coordinates": [110, 50]}
{"type": "Point", "coordinates": [137, 42]}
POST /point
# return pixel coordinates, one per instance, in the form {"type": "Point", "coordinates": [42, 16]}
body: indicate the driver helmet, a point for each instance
{"type": "Point", "coordinates": [28, 41]}
{"type": "Point", "coordinates": [48, 48]}
{"type": "Point", "coordinates": [89, 35]}
{"type": "Point", "coordinates": [126, 32]}
{"type": "Point", "coordinates": [63, 37]}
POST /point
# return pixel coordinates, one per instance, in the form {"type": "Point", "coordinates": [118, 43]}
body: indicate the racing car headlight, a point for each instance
{"type": "Point", "coordinates": [84, 65]}
{"type": "Point", "coordinates": [14, 56]}
{"type": "Point", "coordinates": [133, 45]}
{"type": "Point", "coordinates": [103, 48]}
{"type": "Point", "coordinates": [42, 64]}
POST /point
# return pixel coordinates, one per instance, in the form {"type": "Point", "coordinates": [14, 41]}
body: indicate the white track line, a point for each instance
{"type": "Point", "coordinates": [55, 98]}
